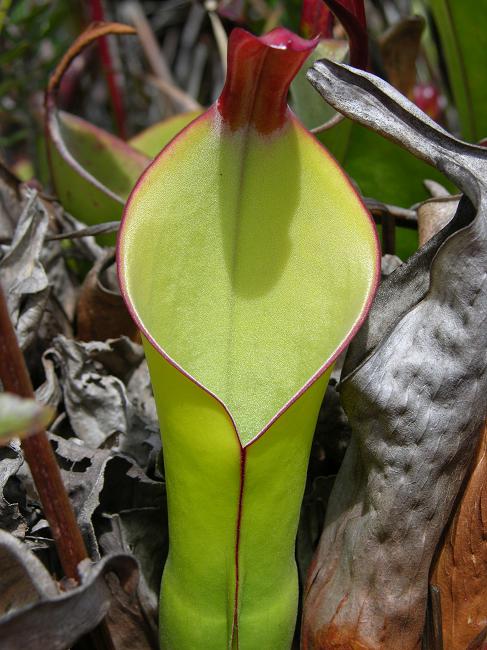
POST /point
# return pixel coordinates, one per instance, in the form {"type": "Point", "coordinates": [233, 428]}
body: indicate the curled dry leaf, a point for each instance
{"type": "Point", "coordinates": [10, 198]}
{"type": "Point", "coordinates": [119, 510]}
{"type": "Point", "coordinates": [35, 615]}
{"type": "Point", "coordinates": [11, 519]}
{"type": "Point", "coordinates": [40, 289]}
{"type": "Point", "coordinates": [99, 381]}
{"type": "Point", "coordinates": [101, 312]}
{"type": "Point", "coordinates": [462, 563]}
{"type": "Point", "coordinates": [433, 215]}
{"type": "Point", "coordinates": [399, 48]}
{"type": "Point", "coordinates": [23, 277]}
{"type": "Point", "coordinates": [436, 190]}
{"type": "Point", "coordinates": [134, 512]}
{"type": "Point", "coordinates": [416, 402]}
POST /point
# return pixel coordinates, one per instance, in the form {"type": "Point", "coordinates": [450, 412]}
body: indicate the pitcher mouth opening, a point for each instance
{"type": "Point", "coordinates": [273, 42]}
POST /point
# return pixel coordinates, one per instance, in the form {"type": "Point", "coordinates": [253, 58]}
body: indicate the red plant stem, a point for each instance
{"type": "Point", "coordinates": [98, 14]}
{"type": "Point", "coordinates": [351, 14]}
{"type": "Point", "coordinates": [316, 19]}
{"type": "Point", "coordinates": [40, 456]}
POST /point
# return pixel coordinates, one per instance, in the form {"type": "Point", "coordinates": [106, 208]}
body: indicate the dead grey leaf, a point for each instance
{"type": "Point", "coordinates": [24, 579]}
{"type": "Point", "coordinates": [11, 519]}
{"type": "Point", "coordinates": [143, 518]}
{"type": "Point", "coordinates": [60, 308]}
{"type": "Point", "coordinates": [416, 403]}
{"type": "Point", "coordinates": [137, 627]}
{"type": "Point", "coordinates": [127, 622]}
{"type": "Point", "coordinates": [36, 615]}
{"type": "Point", "coordinates": [49, 392]}
{"type": "Point", "coordinates": [410, 283]}
{"type": "Point", "coordinates": [41, 290]}
{"type": "Point", "coordinates": [389, 264]}
{"type": "Point", "coordinates": [347, 89]}
{"type": "Point", "coordinates": [95, 399]}
{"type": "Point", "coordinates": [400, 292]}
{"type": "Point", "coordinates": [83, 472]}
{"type": "Point", "coordinates": [10, 198]}
{"type": "Point", "coordinates": [434, 214]}
{"type": "Point", "coordinates": [143, 443]}
{"type": "Point", "coordinates": [87, 247]}
{"type": "Point", "coordinates": [436, 189]}
{"type": "Point", "coordinates": [139, 501]}
{"type": "Point", "coordinates": [23, 277]}
{"type": "Point", "coordinates": [107, 396]}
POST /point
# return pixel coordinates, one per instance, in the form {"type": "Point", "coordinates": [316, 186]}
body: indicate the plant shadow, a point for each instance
{"type": "Point", "coordinates": [258, 197]}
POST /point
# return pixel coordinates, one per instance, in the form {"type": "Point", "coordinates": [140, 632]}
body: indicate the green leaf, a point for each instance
{"type": "Point", "coordinates": [463, 35]}
{"type": "Point", "coordinates": [9, 84]}
{"type": "Point", "coordinates": [16, 136]}
{"type": "Point", "coordinates": [92, 170]}
{"type": "Point", "coordinates": [385, 171]}
{"type": "Point", "coordinates": [111, 161]}
{"type": "Point", "coordinates": [307, 104]}
{"type": "Point", "coordinates": [248, 261]}
{"type": "Point", "coordinates": [14, 53]}
{"type": "Point", "coordinates": [20, 417]}
{"type": "Point", "coordinates": [27, 13]}
{"type": "Point", "coordinates": [406, 243]}
{"type": "Point", "coordinates": [155, 137]}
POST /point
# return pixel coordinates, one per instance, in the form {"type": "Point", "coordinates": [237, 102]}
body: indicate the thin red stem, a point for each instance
{"type": "Point", "coordinates": [316, 19]}
{"type": "Point", "coordinates": [351, 14]}
{"type": "Point", "coordinates": [40, 456]}
{"type": "Point", "coordinates": [98, 14]}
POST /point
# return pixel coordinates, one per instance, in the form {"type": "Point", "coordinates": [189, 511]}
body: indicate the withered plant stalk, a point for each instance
{"type": "Point", "coordinates": [39, 455]}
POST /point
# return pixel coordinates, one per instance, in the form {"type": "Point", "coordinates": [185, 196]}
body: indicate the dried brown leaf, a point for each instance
{"type": "Point", "coordinates": [461, 568]}
{"type": "Point", "coordinates": [36, 615]}
{"type": "Point", "coordinates": [101, 311]}
{"type": "Point", "coordinates": [415, 396]}
{"type": "Point", "coordinates": [399, 48]}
